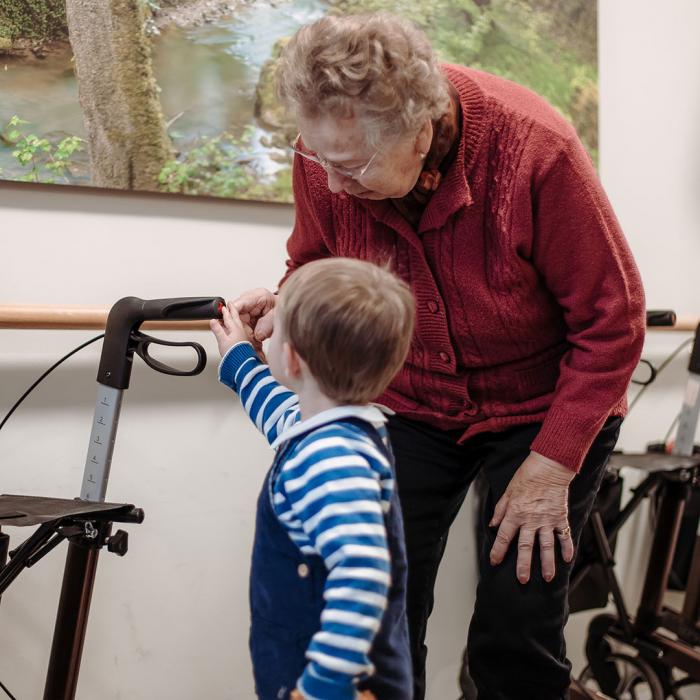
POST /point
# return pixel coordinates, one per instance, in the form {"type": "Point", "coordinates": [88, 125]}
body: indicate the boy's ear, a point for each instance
{"type": "Point", "coordinates": [291, 361]}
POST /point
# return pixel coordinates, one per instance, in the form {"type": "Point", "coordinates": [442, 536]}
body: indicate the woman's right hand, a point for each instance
{"type": "Point", "coordinates": [256, 307]}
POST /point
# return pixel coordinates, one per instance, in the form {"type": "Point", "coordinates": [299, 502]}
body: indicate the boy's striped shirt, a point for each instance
{"type": "Point", "coordinates": [331, 496]}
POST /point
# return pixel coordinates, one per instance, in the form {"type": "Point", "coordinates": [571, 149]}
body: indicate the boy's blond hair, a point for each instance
{"type": "Point", "coordinates": [351, 322]}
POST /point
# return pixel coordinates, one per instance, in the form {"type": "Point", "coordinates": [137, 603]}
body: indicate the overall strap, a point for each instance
{"type": "Point", "coordinates": [373, 433]}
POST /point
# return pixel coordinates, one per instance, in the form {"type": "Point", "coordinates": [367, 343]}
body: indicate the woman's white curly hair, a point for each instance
{"type": "Point", "coordinates": [376, 67]}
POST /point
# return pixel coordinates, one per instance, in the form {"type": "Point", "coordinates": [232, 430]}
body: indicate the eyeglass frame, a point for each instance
{"type": "Point", "coordinates": [327, 165]}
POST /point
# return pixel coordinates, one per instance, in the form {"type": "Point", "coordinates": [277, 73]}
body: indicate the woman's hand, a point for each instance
{"type": "Point", "coordinates": [231, 330]}
{"type": "Point", "coordinates": [535, 504]}
{"type": "Point", "coordinates": [257, 305]}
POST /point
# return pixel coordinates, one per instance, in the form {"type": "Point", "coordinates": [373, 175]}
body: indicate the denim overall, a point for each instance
{"type": "Point", "coordinates": [286, 599]}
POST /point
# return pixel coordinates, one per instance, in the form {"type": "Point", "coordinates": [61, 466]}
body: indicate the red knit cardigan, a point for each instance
{"type": "Point", "coordinates": [530, 307]}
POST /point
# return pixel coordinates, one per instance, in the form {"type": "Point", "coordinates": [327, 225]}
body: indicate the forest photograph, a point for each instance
{"type": "Point", "coordinates": [177, 96]}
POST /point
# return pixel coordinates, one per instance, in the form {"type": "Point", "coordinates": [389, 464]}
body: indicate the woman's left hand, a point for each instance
{"type": "Point", "coordinates": [535, 505]}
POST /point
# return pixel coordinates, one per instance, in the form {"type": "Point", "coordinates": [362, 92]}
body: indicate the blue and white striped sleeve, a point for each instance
{"type": "Point", "coordinates": [337, 496]}
{"type": "Point", "coordinates": [271, 406]}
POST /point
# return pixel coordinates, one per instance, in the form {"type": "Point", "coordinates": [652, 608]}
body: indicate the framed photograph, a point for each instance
{"type": "Point", "coordinates": [178, 95]}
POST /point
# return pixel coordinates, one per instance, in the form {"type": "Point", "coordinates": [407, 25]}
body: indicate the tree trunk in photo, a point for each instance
{"type": "Point", "coordinates": [127, 137]}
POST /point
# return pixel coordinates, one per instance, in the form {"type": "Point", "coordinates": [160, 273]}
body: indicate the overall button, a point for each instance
{"type": "Point", "coordinates": [433, 307]}
{"type": "Point", "coordinates": [303, 570]}
{"type": "Point", "coordinates": [470, 408]}
{"type": "Point", "coordinates": [444, 356]}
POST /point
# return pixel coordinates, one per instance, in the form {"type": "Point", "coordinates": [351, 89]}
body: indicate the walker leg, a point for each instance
{"type": "Point", "coordinates": [71, 622]}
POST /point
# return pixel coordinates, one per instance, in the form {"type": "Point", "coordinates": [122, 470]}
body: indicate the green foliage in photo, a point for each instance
{"type": "Point", "coordinates": [222, 166]}
{"type": "Point", "coordinates": [548, 46]}
{"type": "Point", "coordinates": [39, 20]}
{"type": "Point", "coordinates": [41, 159]}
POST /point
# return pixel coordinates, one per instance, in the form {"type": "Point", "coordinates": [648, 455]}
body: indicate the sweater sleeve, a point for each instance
{"type": "Point", "coordinates": [311, 237]}
{"type": "Point", "coordinates": [271, 406]}
{"type": "Point", "coordinates": [337, 497]}
{"type": "Point", "coordinates": [583, 257]}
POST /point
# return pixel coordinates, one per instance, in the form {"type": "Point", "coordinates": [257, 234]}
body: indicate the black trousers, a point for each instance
{"type": "Point", "coordinates": [516, 646]}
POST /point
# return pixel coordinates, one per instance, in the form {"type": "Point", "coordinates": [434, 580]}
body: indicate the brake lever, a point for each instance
{"type": "Point", "coordinates": [142, 342]}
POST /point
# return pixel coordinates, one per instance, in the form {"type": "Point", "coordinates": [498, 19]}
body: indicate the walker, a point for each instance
{"type": "Point", "coordinates": [86, 522]}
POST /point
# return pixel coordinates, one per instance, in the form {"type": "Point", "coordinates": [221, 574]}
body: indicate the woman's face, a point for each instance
{"type": "Point", "coordinates": [390, 171]}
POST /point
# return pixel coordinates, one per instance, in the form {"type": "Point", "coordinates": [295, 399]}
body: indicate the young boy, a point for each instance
{"type": "Point", "coordinates": [329, 566]}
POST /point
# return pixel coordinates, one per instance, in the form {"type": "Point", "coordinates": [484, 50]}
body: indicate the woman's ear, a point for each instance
{"type": "Point", "coordinates": [424, 138]}
{"type": "Point", "coordinates": [291, 362]}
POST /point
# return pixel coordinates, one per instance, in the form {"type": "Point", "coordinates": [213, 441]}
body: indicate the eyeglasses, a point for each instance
{"type": "Point", "coordinates": [352, 173]}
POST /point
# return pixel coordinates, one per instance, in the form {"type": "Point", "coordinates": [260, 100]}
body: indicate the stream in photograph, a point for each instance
{"type": "Point", "coordinates": [207, 76]}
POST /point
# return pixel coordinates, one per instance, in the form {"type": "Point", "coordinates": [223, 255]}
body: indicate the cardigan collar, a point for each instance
{"type": "Point", "coordinates": [373, 413]}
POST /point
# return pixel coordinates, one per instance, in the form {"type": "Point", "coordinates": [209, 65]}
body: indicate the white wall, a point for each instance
{"type": "Point", "coordinates": [170, 619]}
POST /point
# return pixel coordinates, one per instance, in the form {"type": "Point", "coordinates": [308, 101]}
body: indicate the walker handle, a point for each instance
{"type": "Point", "coordinates": [143, 342]}
{"type": "Point", "coordinates": [664, 317]}
{"type": "Point", "coordinates": [128, 314]}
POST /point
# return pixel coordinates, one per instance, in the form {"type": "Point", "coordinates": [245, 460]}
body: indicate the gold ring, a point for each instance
{"type": "Point", "coordinates": [565, 532]}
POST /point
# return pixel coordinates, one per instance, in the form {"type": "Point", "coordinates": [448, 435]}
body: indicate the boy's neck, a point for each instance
{"type": "Point", "coordinates": [312, 402]}
{"type": "Point", "coordinates": [312, 399]}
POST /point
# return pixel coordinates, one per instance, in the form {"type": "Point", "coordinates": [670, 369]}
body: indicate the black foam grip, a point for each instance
{"type": "Point", "coordinates": [128, 314]}
{"type": "Point", "coordinates": [664, 317]}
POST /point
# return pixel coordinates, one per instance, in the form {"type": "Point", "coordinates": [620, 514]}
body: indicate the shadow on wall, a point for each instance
{"type": "Point", "coordinates": [90, 200]}
{"type": "Point", "coordinates": [76, 387]}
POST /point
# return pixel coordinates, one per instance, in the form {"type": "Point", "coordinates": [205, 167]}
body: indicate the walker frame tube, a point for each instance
{"type": "Point", "coordinates": [99, 454]}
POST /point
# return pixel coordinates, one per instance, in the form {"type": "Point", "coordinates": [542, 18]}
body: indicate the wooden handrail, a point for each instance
{"type": "Point", "coordinates": [43, 316]}
{"type": "Point", "coordinates": [683, 323]}
{"type": "Point", "coordinates": [77, 318]}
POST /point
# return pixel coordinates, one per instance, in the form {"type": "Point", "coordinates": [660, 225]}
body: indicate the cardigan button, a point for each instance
{"type": "Point", "coordinates": [433, 307]}
{"type": "Point", "coordinates": [470, 408]}
{"type": "Point", "coordinates": [444, 356]}
{"type": "Point", "coordinates": [303, 570]}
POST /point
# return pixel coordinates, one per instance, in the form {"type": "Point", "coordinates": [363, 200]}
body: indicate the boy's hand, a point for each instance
{"type": "Point", "coordinates": [231, 330]}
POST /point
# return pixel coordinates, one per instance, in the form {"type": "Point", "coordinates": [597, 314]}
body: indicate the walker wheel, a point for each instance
{"type": "Point", "coordinates": [636, 679]}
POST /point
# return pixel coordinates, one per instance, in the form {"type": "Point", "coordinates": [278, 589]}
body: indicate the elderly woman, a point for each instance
{"type": "Point", "coordinates": [530, 315]}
